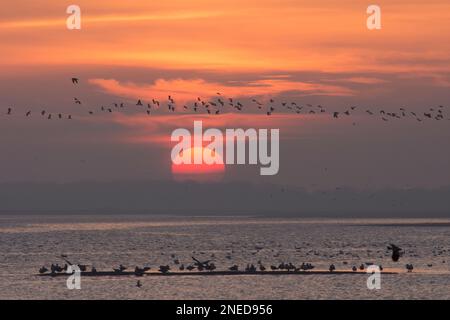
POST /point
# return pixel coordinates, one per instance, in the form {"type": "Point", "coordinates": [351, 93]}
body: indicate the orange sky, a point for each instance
{"type": "Point", "coordinates": [252, 48]}
{"type": "Point", "coordinates": [311, 52]}
{"type": "Point", "coordinates": [240, 48]}
{"type": "Point", "coordinates": [230, 35]}
{"type": "Point", "coordinates": [269, 39]}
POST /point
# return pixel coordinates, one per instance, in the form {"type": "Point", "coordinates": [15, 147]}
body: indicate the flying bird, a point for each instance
{"type": "Point", "coordinates": [396, 252]}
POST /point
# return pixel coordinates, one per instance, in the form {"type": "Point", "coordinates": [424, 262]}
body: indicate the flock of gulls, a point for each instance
{"type": "Point", "coordinates": [208, 266]}
{"type": "Point", "coordinates": [221, 104]}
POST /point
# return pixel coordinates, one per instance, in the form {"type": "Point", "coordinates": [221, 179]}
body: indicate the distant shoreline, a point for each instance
{"type": "Point", "coordinates": [147, 213]}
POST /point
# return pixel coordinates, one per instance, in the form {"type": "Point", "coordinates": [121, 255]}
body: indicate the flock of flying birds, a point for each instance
{"type": "Point", "coordinates": [219, 105]}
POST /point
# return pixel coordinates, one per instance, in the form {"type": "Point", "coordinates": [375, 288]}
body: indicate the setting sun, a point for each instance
{"type": "Point", "coordinates": [199, 172]}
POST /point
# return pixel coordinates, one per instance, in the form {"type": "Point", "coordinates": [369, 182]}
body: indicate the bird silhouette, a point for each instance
{"type": "Point", "coordinates": [409, 267]}
{"type": "Point", "coordinates": [233, 268]}
{"type": "Point", "coordinates": [396, 252]}
{"type": "Point", "coordinates": [164, 269]}
{"type": "Point", "coordinates": [43, 270]}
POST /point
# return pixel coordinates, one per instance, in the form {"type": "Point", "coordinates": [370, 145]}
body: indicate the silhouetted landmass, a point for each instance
{"type": "Point", "coordinates": [171, 198]}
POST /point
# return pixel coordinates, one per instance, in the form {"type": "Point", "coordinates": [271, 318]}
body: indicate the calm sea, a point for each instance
{"type": "Point", "coordinates": [29, 242]}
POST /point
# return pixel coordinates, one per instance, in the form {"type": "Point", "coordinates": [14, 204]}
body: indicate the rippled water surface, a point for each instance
{"type": "Point", "coordinates": [28, 242]}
